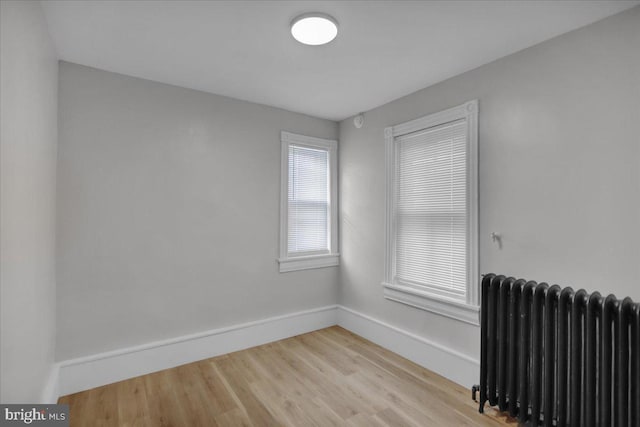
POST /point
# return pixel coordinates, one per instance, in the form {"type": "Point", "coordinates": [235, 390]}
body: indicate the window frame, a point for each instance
{"type": "Point", "coordinates": [293, 263]}
{"type": "Point", "coordinates": [465, 311]}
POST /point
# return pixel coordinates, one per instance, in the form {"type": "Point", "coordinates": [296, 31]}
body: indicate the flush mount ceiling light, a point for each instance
{"type": "Point", "coordinates": [314, 28]}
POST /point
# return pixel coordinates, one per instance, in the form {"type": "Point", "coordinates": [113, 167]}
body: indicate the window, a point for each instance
{"type": "Point", "coordinates": [308, 208]}
{"type": "Point", "coordinates": [432, 185]}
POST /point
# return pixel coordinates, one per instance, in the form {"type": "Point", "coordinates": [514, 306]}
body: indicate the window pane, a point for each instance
{"type": "Point", "coordinates": [431, 209]}
{"type": "Point", "coordinates": [308, 200]}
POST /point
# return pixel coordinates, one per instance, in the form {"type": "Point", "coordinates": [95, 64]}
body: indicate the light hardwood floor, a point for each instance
{"type": "Point", "coordinates": [329, 377]}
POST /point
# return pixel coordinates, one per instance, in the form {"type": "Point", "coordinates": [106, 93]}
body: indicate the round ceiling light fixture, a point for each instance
{"type": "Point", "coordinates": [314, 28]}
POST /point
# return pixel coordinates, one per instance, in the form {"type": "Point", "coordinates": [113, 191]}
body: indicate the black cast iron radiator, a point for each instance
{"type": "Point", "coordinates": [557, 357]}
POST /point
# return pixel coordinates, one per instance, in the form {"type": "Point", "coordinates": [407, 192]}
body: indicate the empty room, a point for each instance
{"type": "Point", "coordinates": [320, 213]}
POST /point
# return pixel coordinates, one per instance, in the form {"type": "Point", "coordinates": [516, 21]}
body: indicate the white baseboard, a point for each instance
{"type": "Point", "coordinates": [96, 370]}
{"type": "Point", "coordinates": [84, 373]}
{"type": "Point", "coordinates": [50, 391]}
{"type": "Point", "coordinates": [442, 360]}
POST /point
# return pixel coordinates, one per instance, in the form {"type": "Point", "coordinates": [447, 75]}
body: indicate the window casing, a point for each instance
{"type": "Point", "coordinates": [431, 257]}
{"type": "Point", "coordinates": [308, 203]}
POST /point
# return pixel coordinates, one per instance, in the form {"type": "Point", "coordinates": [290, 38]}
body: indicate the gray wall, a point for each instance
{"type": "Point", "coordinates": [28, 135]}
{"type": "Point", "coordinates": [559, 173]}
{"type": "Point", "coordinates": [168, 204]}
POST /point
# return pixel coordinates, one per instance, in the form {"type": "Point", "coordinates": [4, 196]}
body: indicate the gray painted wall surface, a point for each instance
{"type": "Point", "coordinates": [28, 135]}
{"type": "Point", "coordinates": [559, 156]}
{"type": "Point", "coordinates": [168, 213]}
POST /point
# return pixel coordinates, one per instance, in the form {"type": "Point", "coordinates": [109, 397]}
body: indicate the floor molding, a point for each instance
{"type": "Point", "coordinates": [440, 359]}
{"type": "Point", "coordinates": [84, 373]}
{"type": "Point", "coordinates": [50, 391]}
{"type": "Point", "coordinates": [96, 370]}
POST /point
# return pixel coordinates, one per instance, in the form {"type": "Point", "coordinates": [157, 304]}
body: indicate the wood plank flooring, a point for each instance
{"type": "Point", "coordinates": [329, 377]}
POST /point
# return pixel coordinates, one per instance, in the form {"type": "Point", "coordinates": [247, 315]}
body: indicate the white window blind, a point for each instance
{"type": "Point", "coordinates": [308, 209]}
{"type": "Point", "coordinates": [431, 209]}
{"type": "Point", "coordinates": [308, 201]}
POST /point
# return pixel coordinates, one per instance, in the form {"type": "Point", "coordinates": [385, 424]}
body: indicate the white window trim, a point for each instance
{"type": "Point", "coordinates": [464, 311]}
{"type": "Point", "coordinates": [288, 263]}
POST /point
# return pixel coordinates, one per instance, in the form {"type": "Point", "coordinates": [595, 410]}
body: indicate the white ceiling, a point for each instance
{"type": "Point", "coordinates": [243, 49]}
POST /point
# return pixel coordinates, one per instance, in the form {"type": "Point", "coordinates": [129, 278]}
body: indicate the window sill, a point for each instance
{"type": "Point", "coordinates": [456, 310]}
{"type": "Point", "coordinates": [308, 262]}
